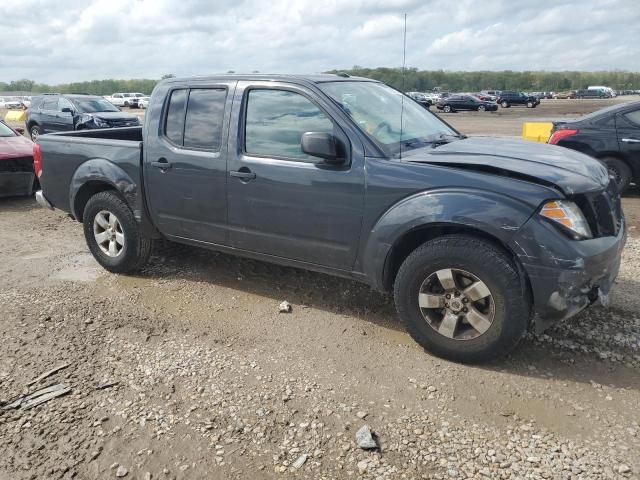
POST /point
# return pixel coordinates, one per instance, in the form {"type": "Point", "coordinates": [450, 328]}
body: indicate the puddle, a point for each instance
{"type": "Point", "coordinates": [81, 268]}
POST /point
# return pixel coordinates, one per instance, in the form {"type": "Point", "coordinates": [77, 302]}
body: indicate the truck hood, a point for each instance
{"type": "Point", "coordinates": [570, 171]}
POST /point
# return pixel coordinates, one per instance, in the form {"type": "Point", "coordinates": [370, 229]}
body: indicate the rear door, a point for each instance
{"type": "Point", "coordinates": [283, 202]}
{"type": "Point", "coordinates": [185, 163]}
{"type": "Point", "coordinates": [628, 130]}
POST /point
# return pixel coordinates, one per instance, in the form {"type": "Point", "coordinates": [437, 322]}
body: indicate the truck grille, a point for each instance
{"type": "Point", "coordinates": [603, 211]}
{"type": "Point", "coordinates": [18, 164]}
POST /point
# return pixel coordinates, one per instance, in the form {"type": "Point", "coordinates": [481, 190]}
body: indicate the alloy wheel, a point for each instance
{"type": "Point", "coordinates": [456, 304]}
{"type": "Point", "coordinates": [108, 233]}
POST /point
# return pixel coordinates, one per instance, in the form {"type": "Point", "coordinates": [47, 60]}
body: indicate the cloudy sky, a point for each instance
{"type": "Point", "coordinates": [55, 41]}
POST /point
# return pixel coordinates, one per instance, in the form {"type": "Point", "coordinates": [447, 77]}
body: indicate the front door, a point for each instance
{"type": "Point", "coordinates": [64, 120]}
{"type": "Point", "coordinates": [281, 201]}
{"type": "Point", "coordinates": [185, 162]}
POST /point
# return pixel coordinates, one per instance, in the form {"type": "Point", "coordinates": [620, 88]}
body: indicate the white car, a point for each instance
{"type": "Point", "coordinates": [122, 99]}
{"type": "Point", "coordinates": [143, 102]}
{"type": "Point", "coordinates": [11, 103]}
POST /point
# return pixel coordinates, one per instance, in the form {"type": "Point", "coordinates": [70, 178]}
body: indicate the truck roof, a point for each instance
{"type": "Point", "coordinates": [309, 78]}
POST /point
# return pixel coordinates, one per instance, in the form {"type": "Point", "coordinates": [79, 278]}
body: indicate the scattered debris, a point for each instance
{"type": "Point", "coordinates": [48, 374]}
{"type": "Point", "coordinates": [362, 466]}
{"type": "Point", "coordinates": [121, 472]}
{"type": "Point", "coordinates": [40, 396]}
{"type": "Point", "coordinates": [364, 438]}
{"type": "Point", "coordinates": [107, 385]}
{"type": "Point", "coordinates": [300, 461]}
{"type": "Point", "coordinates": [285, 307]}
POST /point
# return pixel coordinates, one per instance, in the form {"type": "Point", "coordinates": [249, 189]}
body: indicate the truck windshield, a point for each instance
{"type": "Point", "coordinates": [92, 105]}
{"type": "Point", "coordinates": [376, 109]}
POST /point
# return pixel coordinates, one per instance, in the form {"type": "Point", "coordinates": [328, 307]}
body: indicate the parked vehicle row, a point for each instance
{"type": "Point", "coordinates": [15, 103]}
{"type": "Point", "coordinates": [479, 238]}
{"type": "Point", "coordinates": [60, 112]}
{"type": "Point", "coordinates": [128, 100]}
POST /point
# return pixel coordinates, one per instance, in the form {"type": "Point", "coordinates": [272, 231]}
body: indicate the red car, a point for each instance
{"type": "Point", "coordinates": [17, 176]}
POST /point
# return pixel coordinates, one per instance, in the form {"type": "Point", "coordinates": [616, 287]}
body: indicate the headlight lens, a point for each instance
{"type": "Point", "coordinates": [100, 123]}
{"type": "Point", "coordinates": [569, 215]}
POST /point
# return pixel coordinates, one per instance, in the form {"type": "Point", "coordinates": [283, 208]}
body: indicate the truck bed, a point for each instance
{"type": "Point", "coordinates": [71, 159]}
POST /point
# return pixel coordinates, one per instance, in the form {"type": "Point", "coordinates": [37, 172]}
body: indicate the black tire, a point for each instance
{"type": "Point", "coordinates": [481, 108]}
{"type": "Point", "coordinates": [34, 132]}
{"type": "Point", "coordinates": [487, 263]}
{"type": "Point", "coordinates": [620, 171]}
{"type": "Point", "coordinates": [136, 248]}
{"type": "Point", "coordinates": [447, 109]}
{"type": "Point", "coordinates": [504, 104]}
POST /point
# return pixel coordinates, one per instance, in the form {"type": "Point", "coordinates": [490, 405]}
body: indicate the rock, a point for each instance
{"type": "Point", "coordinates": [623, 468]}
{"type": "Point", "coordinates": [362, 466]}
{"type": "Point", "coordinates": [114, 465]}
{"type": "Point", "coordinates": [300, 461]}
{"type": "Point", "coordinates": [365, 439]}
{"type": "Point", "coordinates": [362, 415]}
{"type": "Point", "coordinates": [147, 476]}
{"type": "Point", "coordinates": [121, 472]}
{"type": "Point", "coordinates": [285, 307]}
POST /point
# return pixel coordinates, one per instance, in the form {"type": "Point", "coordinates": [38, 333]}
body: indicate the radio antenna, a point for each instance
{"type": "Point", "coordinates": [404, 58]}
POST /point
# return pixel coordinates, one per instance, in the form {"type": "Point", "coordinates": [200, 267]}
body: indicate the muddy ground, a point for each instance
{"type": "Point", "coordinates": [188, 371]}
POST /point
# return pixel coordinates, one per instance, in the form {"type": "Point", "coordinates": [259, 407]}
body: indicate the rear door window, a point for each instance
{"type": "Point", "coordinates": [633, 117]}
{"type": "Point", "coordinates": [50, 104]}
{"type": "Point", "coordinates": [205, 116]}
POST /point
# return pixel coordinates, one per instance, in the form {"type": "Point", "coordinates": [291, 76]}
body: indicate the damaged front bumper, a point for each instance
{"type": "Point", "coordinates": [566, 275]}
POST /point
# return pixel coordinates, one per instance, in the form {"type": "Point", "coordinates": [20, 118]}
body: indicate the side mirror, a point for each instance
{"type": "Point", "coordinates": [67, 110]}
{"type": "Point", "coordinates": [20, 130]}
{"type": "Point", "coordinates": [322, 145]}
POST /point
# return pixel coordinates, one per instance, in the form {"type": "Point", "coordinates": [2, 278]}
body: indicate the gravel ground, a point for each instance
{"type": "Point", "coordinates": [188, 370]}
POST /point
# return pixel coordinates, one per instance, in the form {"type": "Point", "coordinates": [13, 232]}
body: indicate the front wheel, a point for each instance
{"type": "Point", "coordinates": [530, 105]}
{"type": "Point", "coordinates": [505, 104]}
{"type": "Point", "coordinates": [35, 131]}
{"type": "Point", "coordinates": [112, 234]}
{"type": "Point", "coordinates": [462, 298]}
{"type": "Point", "coordinates": [481, 108]}
{"type": "Point", "coordinates": [447, 109]}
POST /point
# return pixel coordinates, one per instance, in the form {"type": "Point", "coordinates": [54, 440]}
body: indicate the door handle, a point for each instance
{"type": "Point", "coordinates": [162, 164]}
{"type": "Point", "coordinates": [630, 140]}
{"type": "Point", "coordinates": [243, 174]}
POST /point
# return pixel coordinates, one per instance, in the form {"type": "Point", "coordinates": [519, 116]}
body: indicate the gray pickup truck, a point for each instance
{"type": "Point", "coordinates": [479, 239]}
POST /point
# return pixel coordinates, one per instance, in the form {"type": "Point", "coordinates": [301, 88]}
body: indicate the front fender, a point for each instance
{"type": "Point", "coordinates": [103, 171]}
{"type": "Point", "coordinates": [497, 215]}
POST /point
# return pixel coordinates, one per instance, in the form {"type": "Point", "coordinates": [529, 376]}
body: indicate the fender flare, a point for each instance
{"type": "Point", "coordinates": [495, 215]}
{"type": "Point", "coordinates": [100, 170]}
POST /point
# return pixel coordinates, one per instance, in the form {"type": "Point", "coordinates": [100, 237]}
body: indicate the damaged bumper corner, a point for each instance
{"type": "Point", "coordinates": [567, 276]}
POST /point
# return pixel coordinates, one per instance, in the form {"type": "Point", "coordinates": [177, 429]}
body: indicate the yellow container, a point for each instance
{"type": "Point", "coordinates": [536, 131]}
{"type": "Point", "coordinates": [15, 116]}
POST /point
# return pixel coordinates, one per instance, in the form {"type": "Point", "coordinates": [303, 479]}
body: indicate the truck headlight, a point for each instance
{"type": "Point", "coordinates": [569, 216]}
{"type": "Point", "coordinates": [100, 123]}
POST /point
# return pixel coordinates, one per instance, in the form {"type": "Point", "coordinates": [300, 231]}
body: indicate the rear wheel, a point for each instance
{"type": "Point", "coordinates": [112, 234]}
{"type": "Point", "coordinates": [461, 298]}
{"type": "Point", "coordinates": [447, 109]}
{"type": "Point", "coordinates": [620, 171]}
{"type": "Point", "coordinates": [504, 104]}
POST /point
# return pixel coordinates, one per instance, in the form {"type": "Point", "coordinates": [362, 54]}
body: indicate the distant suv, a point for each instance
{"type": "Point", "coordinates": [508, 99]}
{"type": "Point", "coordinates": [58, 113]}
{"type": "Point", "coordinates": [592, 93]}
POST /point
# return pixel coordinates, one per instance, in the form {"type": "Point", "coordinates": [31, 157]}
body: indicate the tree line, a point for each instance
{"type": "Point", "coordinates": [414, 80]}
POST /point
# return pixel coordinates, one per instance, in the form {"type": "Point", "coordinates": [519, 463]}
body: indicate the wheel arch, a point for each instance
{"type": "Point", "coordinates": [97, 175]}
{"type": "Point", "coordinates": [635, 169]}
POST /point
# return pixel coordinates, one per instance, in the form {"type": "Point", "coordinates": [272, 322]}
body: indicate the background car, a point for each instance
{"type": "Point", "coordinates": [16, 163]}
{"type": "Point", "coordinates": [611, 135]}
{"type": "Point", "coordinates": [456, 103]}
{"type": "Point", "coordinates": [143, 102]}
{"type": "Point", "coordinates": [58, 113]}
{"type": "Point", "coordinates": [421, 98]}
{"type": "Point", "coordinates": [508, 99]}
{"type": "Point", "coordinates": [592, 93]}
{"type": "Point", "coordinates": [565, 95]}
{"type": "Point", "coordinates": [11, 103]}
{"type": "Point", "coordinates": [122, 99]}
